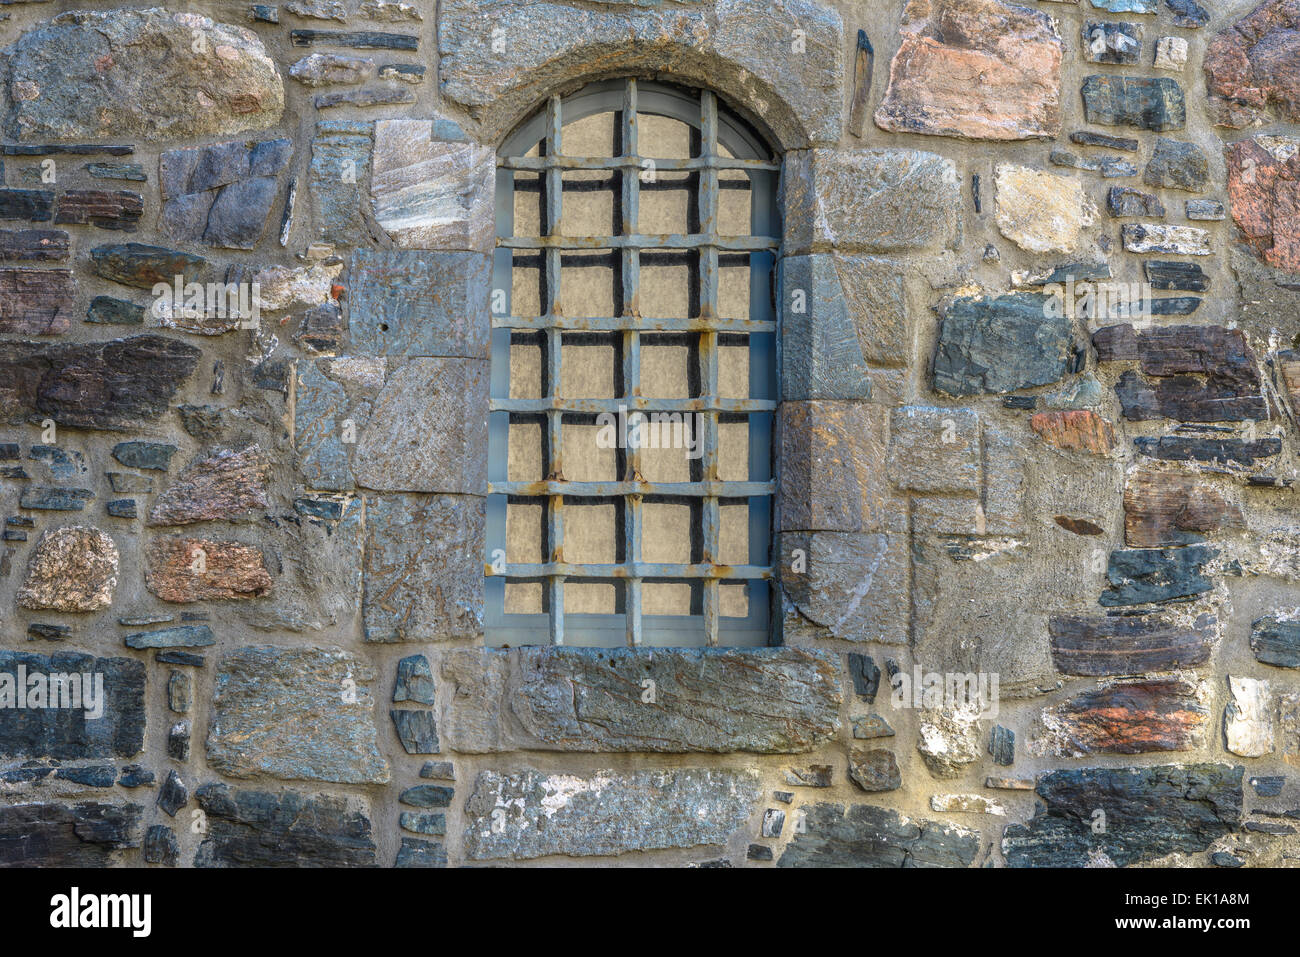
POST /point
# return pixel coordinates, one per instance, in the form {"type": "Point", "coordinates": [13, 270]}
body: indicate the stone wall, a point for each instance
{"type": "Point", "coordinates": [266, 536]}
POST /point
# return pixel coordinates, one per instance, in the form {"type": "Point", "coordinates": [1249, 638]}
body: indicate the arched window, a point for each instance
{"type": "Point", "coordinates": [634, 381]}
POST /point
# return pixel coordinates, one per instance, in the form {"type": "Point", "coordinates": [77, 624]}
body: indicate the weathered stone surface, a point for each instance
{"type": "Point", "coordinates": [868, 726]}
{"type": "Point", "coordinates": [1176, 165]}
{"type": "Point", "coordinates": [378, 96]}
{"type": "Point", "coordinates": [221, 194]}
{"type": "Point", "coordinates": [427, 795]}
{"type": "Point", "coordinates": [356, 40]}
{"type": "Point", "coordinates": [1093, 138]}
{"type": "Point", "coordinates": [1149, 812]}
{"type": "Point", "coordinates": [197, 569]}
{"type": "Point", "coordinates": [415, 853]}
{"type": "Point", "coordinates": [1148, 103]}
{"type": "Point", "coordinates": [36, 205]}
{"type": "Point", "coordinates": [144, 266]}
{"type": "Point", "coordinates": [33, 245]}
{"type": "Point", "coordinates": [1171, 54]}
{"type": "Point", "coordinates": [740, 48]}
{"type": "Point", "coordinates": [933, 449]}
{"type": "Point", "coordinates": [1276, 641]}
{"type": "Point", "coordinates": [967, 804]}
{"type": "Point", "coordinates": [1264, 189]}
{"type": "Point", "coordinates": [1166, 508]}
{"type": "Point", "coordinates": [224, 485]}
{"type": "Point", "coordinates": [423, 568]}
{"type": "Point", "coordinates": [333, 399]}
{"type": "Point", "coordinates": [180, 636]}
{"type": "Point", "coordinates": [414, 680]}
{"type": "Point", "coordinates": [178, 741]}
{"type": "Point", "coordinates": [180, 691]}
{"type": "Point", "coordinates": [1039, 211]}
{"type": "Point", "coordinates": [605, 812]}
{"type": "Point", "coordinates": [116, 312]}
{"type": "Point", "coordinates": [438, 770]}
{"type": "Point", "coordinates": [1124, 201]}
{"type": "Point", "coordinates": [1205, 210]}
{"type": "Point", "coordinates": [81, 718]}
{"type": "Point", "coordinates": [1074, 430]}
{"type": "Point", "coordinates": [55, 499]}
{"type": "Point", "coordinates": [330, 69]}
{"type": "Point", "coordinates": [156, 456]}
{"type": "Point", "coordinates": [1000, 344]}
{"type": "Point", "coordinates": [865, 676]}
{"type": "Point", "coordinates": [1129, 717]}
{"type": "Point", "coordinates": [36, 302]}
{"type": "Point", "coordinates": [107, 209]}
{"type": "Point", "coordinates": [1221, 453]}
{"type": "Point", "coordinates": [337, 177]}
{"type": "Point", "coordinates": [285, 287]}
{"type": "Point", "coordinates": [1248, 718]}
{"type": "Point", "coordinates": [432, 194]}
{"type": "Point", "coordinates": [1251, 67]}
{"type": "Point", "coordinates": [1112, 42]}
{"type": "Point", "coordinates": [765, 700]}
{"type": "Point", "coordinates": [1107, 166]}
{"type": "Point", "coordinates": [301, 714]}
{"type": "Point", "coordinates": [1168, 240]}
{"type": "Point", "coordinates": [1142, 575]}
{"type": "Point", "coordinates": [979, 69]}
{"type": "Point", "coordinates": [873, 201]}
{"type": "Point", "coordinates": [949, 740]}
{"type": "Point", "coordinates": [259, 829]}
{"type": "Point", "coordinates": [146, 73]}
{"type": "Point", "coordinates": [813, 776]}
{"type": "Point", "coordinates": [821, 339]}
{"type": "Point", "coordinates": [71, 569]}
{"type": "Point", "coordinates": [869, 836]}
{"type": "Point", "coordinates": [874, 769]}
{"type": "Point", "coordinates": [1188, 14]}
{"type": "Point", "coordinates": [1176, 275]}
{"type": "Point", "coordinates": [161, 846]}
{"type": "Point", "coordinates": [1129, 645]}
{"type": "Point", "coordinates": [416, 730]}
{"type": "Point", "coordinates": [409, 303]}
{"type": "Point", "coordinates": [127, 171]}
{"type": "Point", "coordinates": [60, 835]}
{"type": "Point", "coordinates": [1002, 746]}
{"type": "Point", "coordinates": [854, 584]}
{"type": "Point", "coordinates": [435, 824]}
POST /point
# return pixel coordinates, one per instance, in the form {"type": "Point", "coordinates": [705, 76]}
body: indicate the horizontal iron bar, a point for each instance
{"type": "Point", "coordinates": [640, 241]}
{"type": "Point", "coordinates": [626, 570]}
{"type": "Point", "coordinates": [633, 403]}
{"type": "Point", "coordinates": [718, 489]}
{"type": "Point", "coordinates": [539, 163]}
{"type": "Point", "coordinates": [632, 324]}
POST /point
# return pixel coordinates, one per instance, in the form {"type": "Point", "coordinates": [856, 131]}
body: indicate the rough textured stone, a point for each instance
{"type": "Point", "coordinates": [409, 303]}
{"type": "Point", "coordinates": [146, 73]}
{"type": "Point", "coordinates": [71, 569]}
{"type": "Point", "coordinates": [1276, 641]}
{"type": "Point", "coordinates": [296, 714]}
{"type": "Point", "coordinates": [1188, 14]}
{"type": "Point", "coordinates": [1264, 189]}
{"type": "Point", "coordinates": [417, 730]}
{"type": "Point", "coordinates": [33, 245]}
{"type": "Point", "coordinates": [1118, 42]}
{"type": "Point", "coordinates": [1133, 717]}
{"type": "Point", "coordinates": [1074, 430]}
{"type": "Point", "coordinates": [1002, 746]}
{"type": "Point", "coordinates": [330, 69]}
{"type": "Point", "coordinates": [156, 456]}
{"type": "Point", "coordinates": [337, 177]}
{"type": "Point", "coordinates": [1163, 508]}
{"type": "Point", "coordinates": [1176, 165]}
{"type": "Point", "coordinates": [949, 740]}
{"type": "Point", "coordinates": [36, 205]}
{"type": "Point", "coordinates": [605, 812]}
{"type": "Point", "coordinates": [333, 399]}
{"type": "Point", "coordinates": [161, 846]}
{"type": "Point", "coordinates": [115, 312]}
{"type": "Point", "coordinates": [58, 835]}
{"type": "Point", "coordinates": [1000, 344]}
{"type": "Point", "coordinates": [221, 194]}
{"type": "Point", "coordinates": [741, 48]}
{"type": "Point", "coordinates": [765, 700]}
{"type": "Point", "coordinates": [934, 449]}
{"type": "Point", "coordinates": [867, 836]}
{"type": "Point", "coordinates": [144, 266]}
{"type": "Point", "coordinates": [1171, 54]}
{"type": "Point", "coordinates": [1129, 645]}
{"type": "Point", "coordinates": [173, 795]}
{"type": "Point", "coordinates": [966, 804]}
{"type": "Point", "coordinates": [1176, 275]}
{"type": "Point", "coordinates": [107, 209]}
{"type": "Point", "coordinates": [1041, 212]}
{"type": "Point", "coordinates": [413, 853]}
{"type": "Point", "coordinates": [1154, 103]}
{"type": "Point", "coordinates": [1142, 575]}
{"type": "Point", "coordinates": [65, 726]}
{"type": "Point", "coordinates": [224, 485]}
{"type": "Point", "coordinates": [1251, 67]}
{"type": "Point", "coordinates": [1221, 454]}
{"type": "Point", "coordinates": [874, 769]}
{"type": "Point", "coordinates": [1248, 718]}
{"type": "Point", "coordinates": [869, 726]}
{"type": "Point", "coordinates": [979, 69]}
{"type": "Point", "coordinates": [873, 201]}
{"type": "Point", "coordinates": [854, 585]}
{"type": "Point", "coordinates": [1167, 240]}
{"type": "Point", "coordinates": [423, 568]}
{"type": "Point", "coordinates": [1148, 812]}
{"type": "Point", "coordinates": [414, 680]}
{"type": "Point", "coordinates": [197, 569]}
{"type": "Point", "coordinates": [180, 636]}
{"type": "Point", "coordinates": [36, 302]}
{"type": "Point", "coordinates": [259, 829]}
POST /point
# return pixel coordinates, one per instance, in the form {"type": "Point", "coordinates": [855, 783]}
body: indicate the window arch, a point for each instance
{"type": "Point", "coordinates": [634, 275]}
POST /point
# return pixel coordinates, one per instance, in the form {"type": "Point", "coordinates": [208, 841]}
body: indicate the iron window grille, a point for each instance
{"type": "Point", "coordinates": [702, 623]}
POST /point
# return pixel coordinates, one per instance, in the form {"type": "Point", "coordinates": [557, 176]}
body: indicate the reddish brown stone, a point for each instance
{"type": "Point", "coordinates": [979, 69]}
{"type": "Point", "coordinates": [1168, 508]}
{"type": "Point", "coordinates": [198, 569]}
{"type": "Point", "coordinates": [71, 569]}
{"type": "Point", "coordinates": [36, 302]}
{"type": "Point", "coordinates": [1265, 193]}
{"type": "Point", "coordinates": [1079, 526]}
{"type": "Point", "coordinates": [224, 485]}
{"type": "Point", "coordinates": [1075, 429]}
{"type": "Point", "coordinates": [1255, 65]}
{"type": "Point", "coordinates": [106, 208]}
{"type": "Point", "coordinates": [1126, 718]}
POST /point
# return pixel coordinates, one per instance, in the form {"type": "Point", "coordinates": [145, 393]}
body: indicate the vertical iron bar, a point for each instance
{"type": "Point", "coordinates": [631, 281]}
{"type": "Point", "coordinates": [708, 253]}
{"type": "Point", "coordinates": [554, 418]}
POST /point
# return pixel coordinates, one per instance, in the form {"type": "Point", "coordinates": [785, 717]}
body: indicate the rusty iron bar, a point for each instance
{"type": "Point", "coordinates": [541, 163]}
{"type": "Point", "coordinates": [554, 339]}
{"type": "Point", "coordinates": [630, 200]}
{"type": "Point", "coordinates": [706, 240]}
{"type": "Point", "coordinates": [632, 323]}
{"type": "Point", "coordinates": [708, 265]}
{"type": "Point", "coordinates": [704, 489]}
{"type": "Point", "coordinates": [627, 570]}
{"type": "Point", "coordinates": [634, 403]}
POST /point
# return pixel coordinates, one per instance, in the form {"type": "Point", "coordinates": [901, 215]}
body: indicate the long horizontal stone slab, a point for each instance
{"type": "Point", "coordinates": [1128, 645]}
{"type": "Point", "coordinates": [869, 836]}
{"type": "Point", "coordinates": [762, 700]}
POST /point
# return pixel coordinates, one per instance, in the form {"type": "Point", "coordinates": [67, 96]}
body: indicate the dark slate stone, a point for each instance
{"type": "Point", "coordinates": [142, 266]}
{"type": "Point", "coordinates": [98, 385]}
{"type": "Point", "coordinates": [1276, 641]}
{"type": "Point", "coordinates": [865, 675]}
{"type": "Point", "coordinates": [330, 510]}
{"type": "Point", "coordinates": [145, 455]}
{"type": "Point", "coordinates": [320, 329]}
{"type": "Point", "coordinates": [417, 731]}
{"type": "Point", "coordinates": [427, 795]}
{"type": "Point", "coordinates": [868, 726]}
{"type": "Point", "coordinates": [13, 534]}
{"type": "Point", "coordinates": [14, 472]}
{"type": "Point", "coordinates": [249, 828]}
{"type": "Point", "coordinates": [182, 636]}
{"type": "Point", "coordinates": [1001, 344]}
{"type": "Point", "coordinates": [360, 40]}
{"type": "Point", "coordinates": [221, 194]}
{"type": "Point", "coordinates": [205, 422]}
{"type": "Point", "coordinates": [870, 836]}
{"type": "Point", "coordinates": [874, 769]}
{"type": "Point", "coordinates": [1128, 644]}
{"type": "Point", "coordinates": [178, 741]}
{"type": "Point", "coordinates": [105, 208]}
{"type": "Point", "coordinates": [1002, 745]}
{"type": "Point", "coordinates": [1068, 272]}
{"type": "Point", "coordinates": [1224, 859]}
{"type": "Point", "coordinates": [414, 680]}
{"type": "Point", "coordinates": [1149, 812]}
{"type": "Point", "coordinates": [50, 632]}
{"type": "Point", "coordinates": [121, 508]}
{"type": "Point", "coordinates": [266, 13]}
{"type": "Point", "coordinates": [758, 852]}
{"type": "Point", "coordinates": [131, 171]}
{"type": "Point", "coordinates": [1188, 14]}
{"type": "Point", "coordinates": [429, 824]}
{"type": "Point", "coordinates": [55, 499]}
{"type": "Point", "coordinates": [375, 96]}
{"type": "Point", "coordinates": [438, 771]}
{"type": "Point", "coordinates": [70, 149]}
{"type": "Point", "coordinates": [1112, 42]}
{"type": "Point", "coordinates": [1177, 448]}
{"type": "Point", "coordinates": [813, 776]}
{"type": "Point", "coordinates": [10, 451]}
{"type": "Point", "coordinates": [402, 71]}
{"type": "Point", "coordinates": [33, 245]}
{"type": "Point", "coordinates": [1270, 786]}
{"type": "Point", "coordinates": [180, 658]}
{"type": "Point", "coordinates": [116, 312]}
{"type": "Point", "coordinates": [97, 776]}
{"type": "Point", "coordinates": [416, 853]}
{"type": "Point", "coordinates": [1141, 575]}
{"type": "Point", "coordinates": [60, 463]}
{"type": "Point", "coordinates": [1175, 306]}
{"type": "Point", "coordinates": [1124, 201]}
{"type": "Point", "coordinates": [173, 794]}
{"type": "Point", "coordinates": [58, 835]}
{"type": "Point", "coordinates": [1176, 165]}
{"type": "Point", "coordinates": [1205, 209]}
{"type": "Point", "coordinates": [1089, 138]}
{"type": "Point", "coordinates": [1182, 276]}
{"type": "Point", "coordinates": [337, 201]}
{"type": "Point", "coordinates": [1148, 103]}
{"type": "Point", "coordinates": [36, 205]}
{"type": "Point", "coordinates": [161, 846]}
{"type": "Point", "coordinates": [134, 776]}
{"type": "Point", "coordinates": [1107, 166]}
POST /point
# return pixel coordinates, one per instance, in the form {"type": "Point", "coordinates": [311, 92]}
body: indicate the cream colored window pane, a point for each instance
{"type": "Point", "coordinates": [588, 364]}
{"type": "Point", "coordinates": [587, 283]}
{"type": "Point", "coordinates": [663, 137]}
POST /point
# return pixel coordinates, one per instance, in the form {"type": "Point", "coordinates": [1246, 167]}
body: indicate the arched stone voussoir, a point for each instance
{"type": "Point", "coordinates": [779, 63]}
